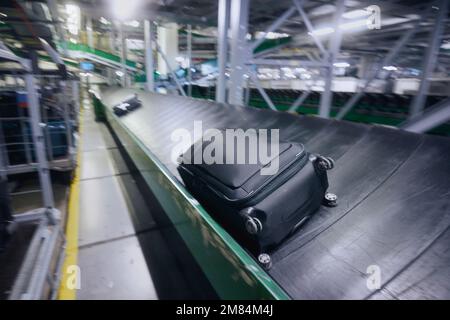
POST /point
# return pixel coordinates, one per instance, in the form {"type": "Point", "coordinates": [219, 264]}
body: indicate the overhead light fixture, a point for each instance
{"type": "Point", "coordinates": [322, 32]}
{"type": "Point", "coordinates": [341, 64]}
{"type": "Point", "coordinates": [390, 68]}
{"type": "Point", "coordinates": [353, 25]}
{"type": "Point", "coordinates": [119, 73]}
{"type": "Point", "coordinates": [446, 45]}
{"type": "Point", "coordinates": [356, 14]}
{"type": "Point", "coordinates": [123, 10]}
{"type": "Point", "coordinates": [4, 15]}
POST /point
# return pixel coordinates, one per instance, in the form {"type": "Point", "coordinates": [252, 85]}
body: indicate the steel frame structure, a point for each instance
{"type": "Point", "coordinates": [242, 60]}
{"type": "Point", "coordinates": [35, 273]}
{"type": "Point", "coordinates": [149, 61]}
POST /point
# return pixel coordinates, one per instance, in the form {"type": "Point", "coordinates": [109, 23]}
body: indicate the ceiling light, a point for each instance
{"type": "Point", "coordinates": [322, 32]}
{"type": "Point", "coordinates": [446, 46]}
{"type": "Point", "coordinates": [124, 9]}
{"type": "Point", "coordinates": [356, 14]}
{"type": "Point", "coordinates": [353, 25]}
{"type": "Point", "coordinates": [341, 64]}
{"type": "Point", "coordinates": [119, 73]}
{"type": "Point", "coordinates": [390, 68]}
{"type": "Point", "coordinates": [3, 14]}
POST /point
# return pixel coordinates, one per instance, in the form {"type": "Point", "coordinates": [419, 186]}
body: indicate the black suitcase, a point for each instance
{"type": "Point", "coordinates": [132, 102]}
{"type": "Point", "coordinates": [260, 211]}
{"type": "Point", "coordinates": [120, 110]}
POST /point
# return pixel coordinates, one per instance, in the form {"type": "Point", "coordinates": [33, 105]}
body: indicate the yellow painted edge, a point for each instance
{"type": "Point", "coordinates": [71, 250]}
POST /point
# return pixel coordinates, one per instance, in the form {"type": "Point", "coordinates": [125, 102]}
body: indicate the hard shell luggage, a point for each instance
{"type": "Point", "coordinates": [259, 210]}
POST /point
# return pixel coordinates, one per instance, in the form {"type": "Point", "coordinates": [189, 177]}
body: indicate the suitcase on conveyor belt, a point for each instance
{"type": "Point", "coordinates": [132, 102]}
{"type": "Point", "coordinates": [260, 210]}
{"type": "Point", "coordinates": [120, 110]}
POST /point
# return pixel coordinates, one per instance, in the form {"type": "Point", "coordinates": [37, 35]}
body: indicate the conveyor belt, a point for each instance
{"type": "Point", "coordinates": [394, 198]}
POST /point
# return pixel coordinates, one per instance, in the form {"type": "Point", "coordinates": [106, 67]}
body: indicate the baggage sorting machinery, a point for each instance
{"type": "Point", "coordinates": [388, 238]}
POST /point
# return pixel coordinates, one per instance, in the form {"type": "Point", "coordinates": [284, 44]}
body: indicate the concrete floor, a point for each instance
{"type": "Point", "coordinates": [110, 258]}
{"type": "Point", "coordinates": [123, 252]}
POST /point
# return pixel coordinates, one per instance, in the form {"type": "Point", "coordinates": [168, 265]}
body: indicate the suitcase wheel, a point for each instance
{"type": "Point", "coordinates": [325, 163]}
{"type": "Point", "coordinates": [330, 199]}
{"type": "Point", "coordinates": [265, 261]}
{"type": "Point", "coordinates": [253, 225]}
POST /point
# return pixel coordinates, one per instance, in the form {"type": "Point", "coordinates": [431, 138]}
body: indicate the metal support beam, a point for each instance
{"type": "Point", "coordinates": [261, 90]}
{"type": "Point", "coordinates": [299, 4]}
{"type": "Point", "coordinates": [239, 49]}
{"type": "Point", "coordinates": [76, 96]}
{"type": "Point", "coordinates": [430, 60]}
{"type": "Point", "coordinates": [386, 61]}
{"type": "Point", "coordinates": [274, 26]}
{"type": "Point", "coordinates": [297, 103]}
{"type": "Point", "coordinates": [431, 118]}
{"type": "Point", "coordinates": [149, 63]}
{"type": "Point", "coordinates": [52, 6]}
{"type": "Point", "coordinates": [335, 44]}
{"type": "Point", "coordinates": [66, 116]}
{"type": "Point", "coordinates": [90, 36]}
{"type": "Point", "coordinates": [174, 76]}
{"type": "Point", "coordinates": [222, 48]}
{"type": "Point", "coordinates": [38, 141]}
{"type": "Point", "coordinates": [123, 55]}
{"type": "Point", "coordinates": [189, 56]}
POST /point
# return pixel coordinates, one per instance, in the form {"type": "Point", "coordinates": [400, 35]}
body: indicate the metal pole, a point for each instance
{"type": "Point", "coordinates": [430, 61]}
{"type": "Point", "coordinates": [54, 13]}
{"type": "Point", "coordinates": [239, 50]}
{"type": "Point", "coordinates": [38, 141]}
{"type": "Point", "coordinates": [149, 63]}
{"type": "Point", "coordinates": [66, 115]}
{"type": "Point", "coordinates": [222, 48]}
{"type": "Point", "coordinates": [90, 36]}
{"type": "Point", "coordinates": [76, 96]}
{"type": "Point", "coordinates": [123, 55]}
{"type": "Point", "coordinates": [261, 90]}
{"type": "Point", "coordinates": [189, 54]}
{"type": "Point", "coordinates": [274, 26]}
{"type": "Point", "coordinates": [298, 5]}
{"type": "Point", "coordinates": [335, 43]}
{"type": "Point", "coordinates": [297, 103]}
{"type": "Point", "coordinates": [386, 61]}
{"type": "Point", "coordinates": [180, 87]}
{"type": "Point", "coordinates": [431, 118]}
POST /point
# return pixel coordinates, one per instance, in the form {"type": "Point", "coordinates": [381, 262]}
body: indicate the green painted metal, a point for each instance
{"type": "Point", "coordinates": [99, 53]}
{"type": "Point", "coordinates": [228, 267]}
{"type": "Point", "coordinates": [272, 43]}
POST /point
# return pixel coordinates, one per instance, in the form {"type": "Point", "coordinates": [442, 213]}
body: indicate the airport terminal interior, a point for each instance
{"type": "Point", "coordinates": [104, 102]}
